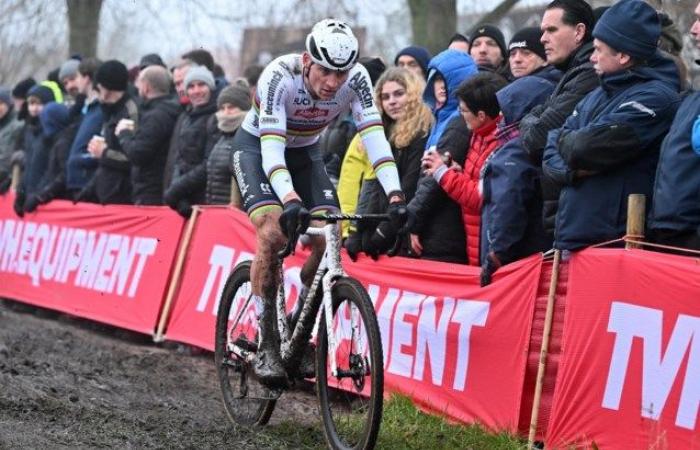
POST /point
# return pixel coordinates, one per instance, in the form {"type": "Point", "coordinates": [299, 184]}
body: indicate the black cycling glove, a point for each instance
{"type": "Point", "coordinates": [400, 217]}
{"type": "Point", "coordinates": [294, 218]}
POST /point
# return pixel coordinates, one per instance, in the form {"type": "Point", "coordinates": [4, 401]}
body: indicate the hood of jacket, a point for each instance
{"type": "Point", "coordinates": [523, 94]}
{"type": "Point", "coordinates": [53, 118]}
{"type": "Point", "coordinates": [454, 66]}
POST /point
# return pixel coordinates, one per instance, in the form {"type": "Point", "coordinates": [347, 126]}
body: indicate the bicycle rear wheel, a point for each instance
{"type": "Point", "coordinates": [352, 400]}
{"type": "Point", "coordinates": [247, 402]}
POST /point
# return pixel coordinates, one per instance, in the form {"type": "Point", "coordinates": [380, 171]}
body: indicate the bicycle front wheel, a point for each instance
{"type": "Point", "coordinates": [351, 399]}
{"type": "Point", "coordinates": [247, 402]}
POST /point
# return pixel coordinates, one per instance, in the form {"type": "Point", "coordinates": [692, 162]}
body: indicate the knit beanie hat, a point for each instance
{"type": "Point", "coordinates": [68, 69]}
{"type": "Point", "coordinates": [53, 118]}
{"type": "Point", "coordinates": [420, 54]}
{"type": "Point", "coordinates": [200, 73]}
{"type": "Point", "coordinates": [151, 59]}
{"type": "Point", "coordinates": [529, 39]}
{"type": "Point", "coordinates": [20, 90]}
{"type": "Point", "coordinates": [112, 75]}
{"type": "Point", "coordinates": [494, 33]}
{"type": "Point", "coordinates": [5, 96]}
{"type": "Point", "coordinates": [375, 67]}
{"type": "Point", "coordinates": [630, 26]}
{"type": "Point", "coordinates": [235, 94]}
{"type": "Point", "coordinates": [43, 93]}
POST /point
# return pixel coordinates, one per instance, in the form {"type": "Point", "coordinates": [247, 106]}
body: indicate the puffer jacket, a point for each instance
{"type": "Point", "coordinates": [463, 187]}
{"type": "Point", "coordinates": [220, 166]}
{"type": "Point", "coordinates": [608, 148]}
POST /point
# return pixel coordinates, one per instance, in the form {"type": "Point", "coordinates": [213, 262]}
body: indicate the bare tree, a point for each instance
{"type": "Point", "coordinates": [31, 40]}
{"type": "Point", "coordinates": [433, 22]}
{"type": "Point", "coordinates": [83, 25]}
{"type": "Point", "coordinates": [495, 14]}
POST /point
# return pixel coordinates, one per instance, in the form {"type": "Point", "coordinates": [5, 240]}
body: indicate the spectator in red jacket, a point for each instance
{"type": "Point", "coordinates": [479, 108]}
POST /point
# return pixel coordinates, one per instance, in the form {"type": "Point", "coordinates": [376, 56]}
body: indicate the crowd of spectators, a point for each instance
{"type": "Point", "coordinates": [503, 149]}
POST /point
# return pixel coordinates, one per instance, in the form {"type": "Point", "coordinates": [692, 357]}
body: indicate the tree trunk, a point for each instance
{"type": "Point", "coordinates": [433, 23]}
{"type": "Point", "coordinates": [83, 26]}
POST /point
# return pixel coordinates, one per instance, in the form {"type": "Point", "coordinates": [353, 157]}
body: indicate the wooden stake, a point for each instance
{"type": "Point", "coordinates": [177, 272]}
{"type": "Point", "coordinates": [236, 200]}
{"type": "Point", "coordinates": [545, 345]}
{"type": "Point", "coordinates": [636, 210]}
{"type": "Point", "coordinates": [16, 177]}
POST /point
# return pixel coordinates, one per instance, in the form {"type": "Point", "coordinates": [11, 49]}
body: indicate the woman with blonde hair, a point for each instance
{"type": "Point", "coordinates": [407, 122]}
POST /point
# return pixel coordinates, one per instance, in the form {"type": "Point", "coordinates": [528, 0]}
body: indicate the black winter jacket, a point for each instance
{"type": "Point", "coordinates": [438, 218]}
{"type": "Point", "coordinates": [579, 79]}
{"type": "Point", "coordinates": [53, 184]}
{"type": "Point", "coordinates": [111, 183]}
{"type": "Point", "coordinates": [147, 148]}
{"type": "Point", "coordinates": [193, 138]}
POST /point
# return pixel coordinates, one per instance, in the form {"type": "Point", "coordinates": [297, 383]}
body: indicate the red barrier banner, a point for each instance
{"type": "Point", "coordinates": [106, 263]}
{"type": "Point", "coordinates": [455, 348]}
{"type": "Point", "coordinates": [629, 374]}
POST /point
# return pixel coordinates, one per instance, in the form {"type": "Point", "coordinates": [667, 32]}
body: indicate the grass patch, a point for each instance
{"type": "Point", "coordinates": [403, 427]}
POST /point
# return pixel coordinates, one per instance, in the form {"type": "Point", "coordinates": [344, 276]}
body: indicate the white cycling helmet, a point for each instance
{"type": "Point", "coordinates": [332, 44]}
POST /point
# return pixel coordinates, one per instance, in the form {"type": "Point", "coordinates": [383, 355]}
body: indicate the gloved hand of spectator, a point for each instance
{"type": "Point", "coordinates": [369, 246]}
{"type": "Point", "coordinates": [18, 206]}
{"type": "Point", "coordinates": [382, 239]}
{"type": "Point", "coordinates": [5, 183]}
{"type": "Point", "coordinates": [85, 195]}
{"type": "Point", "coordinates": [184, 208]}
{"type": "Point", "coordinates": [490, 265]}
{"type": "Point", "coordinates": [172, 196]}
{"type": "Point", "coordinates": [294, 216]}
{"type": "Point", "coordinates": [32, 202]}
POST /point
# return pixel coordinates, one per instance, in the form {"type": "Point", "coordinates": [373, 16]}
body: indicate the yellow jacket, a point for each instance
{"type": "Point", "coordinates": [355, 169]}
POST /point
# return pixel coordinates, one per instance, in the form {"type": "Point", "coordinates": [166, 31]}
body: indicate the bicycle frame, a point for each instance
{"type": "Point", "coordinates": [329, 269]}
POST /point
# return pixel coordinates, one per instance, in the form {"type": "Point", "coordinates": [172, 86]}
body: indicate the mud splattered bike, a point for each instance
{"type": "Point", "coordinates": [348, 357]}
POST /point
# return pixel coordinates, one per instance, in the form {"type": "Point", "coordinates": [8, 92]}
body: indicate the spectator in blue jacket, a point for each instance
{"type": "Point", "coordinates": [511, 211]}
{"type": "Point", "coordinates": [675, 214]}
{"type": "Point", "coordinates": [608, 148]}
{"type": "Point", "coordinates": [445, 73]}
{"type": "Point", "coordinates": [81, 165]}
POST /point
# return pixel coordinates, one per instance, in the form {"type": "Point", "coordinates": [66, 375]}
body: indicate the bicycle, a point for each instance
{"type": "Point", "coordinates": [349, 362]}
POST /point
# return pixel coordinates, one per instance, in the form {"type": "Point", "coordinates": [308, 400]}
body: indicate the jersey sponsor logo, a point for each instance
{"type": "Point", "coordinates": [311, 113]}
{"type": "Point", "coordinates": [359, 84]}
{"type": "Point", "coordinates": [301, 101]}
{"type": "Point", "coordinates": [265, 188]}
{"type": "Point", "coordinates": [274, 84]}
{"type": "Point", "coordinates": [238, 173]}
{"type": "Point", "coordinates": [328, 194]}
{"type": "Point", "coordinates": [287, 68]}
{"type": "Point", "coordinates": [269, 120]}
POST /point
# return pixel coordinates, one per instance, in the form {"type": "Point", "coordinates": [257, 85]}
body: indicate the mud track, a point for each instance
{"type": "Point", "coordinates": [71, 383]}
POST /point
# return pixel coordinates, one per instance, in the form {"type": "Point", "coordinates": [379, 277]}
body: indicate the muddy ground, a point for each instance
{"type": "Point", "coordinates": [71, 383]}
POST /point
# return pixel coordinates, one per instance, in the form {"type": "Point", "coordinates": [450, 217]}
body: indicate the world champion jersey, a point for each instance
{"type": "Point", "coordinates": [286, 116]}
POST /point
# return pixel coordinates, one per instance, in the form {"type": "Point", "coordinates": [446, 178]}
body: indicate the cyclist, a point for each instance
{"type": "Point", "coordinates": [279, 168]}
